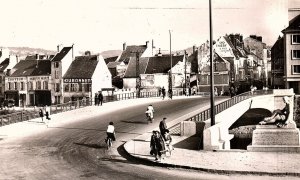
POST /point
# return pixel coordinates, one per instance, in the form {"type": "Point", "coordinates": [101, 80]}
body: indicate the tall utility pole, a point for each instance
{"type": "Point", "coordinates": [212, 94]}
{"type": "Point", "coordinates": [138, 80]}
{"type": "Point", "coordinates": [170, 77]}
{"type": "Point", "coordinates": [137, 73]}
{"type": "Point", "coordinates": [185, 83]}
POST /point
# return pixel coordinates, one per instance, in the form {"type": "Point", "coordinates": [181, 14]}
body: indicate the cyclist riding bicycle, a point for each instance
{"type": "Point", "coordinates": [110, 132]}
{"type": "Point", "coordinates": [150, 113]}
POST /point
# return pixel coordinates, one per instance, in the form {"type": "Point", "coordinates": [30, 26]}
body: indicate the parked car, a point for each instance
{"type": "Point", "coordinates": [8, 103]}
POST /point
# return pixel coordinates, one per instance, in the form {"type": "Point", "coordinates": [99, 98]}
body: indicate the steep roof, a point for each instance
{"type": "Point", "coordinates": [59, 56]}
{"type": "Point", "coordinates": [162, 64]}
{"type": "Point", "coordinates": [30, 57]}
{"type": "Point", "coordinates": [4, 64]}
{"type": "Point", "coordinates": [294, 25]}
{"type": "Point", "coordinates": [152, 65]}
{"type": "Point", "coordinates": [110, 59]}
{"type": "Point", "coordinates": [82, 67]}
{"type": "Point", "coordinates": [129, 52]}
{"type": "Point", "coordinates": [113, 64]}
{"type": "Point", "coordinates": [32, 68]}
{"type": "Point", "coordinates": [131, 68]}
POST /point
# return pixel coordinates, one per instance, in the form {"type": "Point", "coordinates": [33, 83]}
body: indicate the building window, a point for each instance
{"type": "Point", "coordinates": [74, 88]}
{"type": "Point", "coordinates": [295, 54]}
{"type": "Point", "coordinates": [80, 87]}
{"type": "Point", "coordinates": [15, 85]}
{"type": "Point", "coordinates": [30, 86]}
{"type": "Point", "coordinates": [57, 87]}
{"type": "Point", "coordinates": [56, 74]}
{"type": "Point", "coordinates": [67, 88]}
{"type": "Point", "coordinates": [9, 86]}
{"type": "Point", "coordinates": [296, 69]}
{"type": "Point", "coordinates": [22, 86]}
{"type": "Point", "coordinates": [296, 39]}
{"type": "Point", "coordinates": [38, 85]}
{"type": "Point", "coordinates": [56, 64]}
{"type": "Point", "coordinates": [45, 85]}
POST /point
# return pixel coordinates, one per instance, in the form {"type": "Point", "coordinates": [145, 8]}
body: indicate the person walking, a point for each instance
{"type": "Point", "coordinates": [100, 98]}
{"type": "Point", "coordinates": [96, 99]}
{"type": "Point", "coordinates": [157, 145]}
{"type": "Point", "coordinates": [41, 113]}
{"type": "Point", "coordinates": [163, 91]}
{"type": "Point", "coordinates": [163, 126]}
{"type": "Point", "coordinates": [47, 113]}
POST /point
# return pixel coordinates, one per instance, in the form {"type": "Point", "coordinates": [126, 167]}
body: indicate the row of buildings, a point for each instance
{"type": "Point", "coordinates": [52, 79]}
{"type": "Point", "coordinates": [62, 77]}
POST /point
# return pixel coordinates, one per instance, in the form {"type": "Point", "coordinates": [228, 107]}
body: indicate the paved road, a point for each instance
{"type": "Point", "coordinates": [75, 149]}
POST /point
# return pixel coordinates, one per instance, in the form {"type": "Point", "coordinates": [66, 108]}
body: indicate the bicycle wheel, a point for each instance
{"type": "Point", "coordinates": [109, 143]}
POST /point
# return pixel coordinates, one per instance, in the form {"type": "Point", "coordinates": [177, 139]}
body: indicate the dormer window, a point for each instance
{"type": "Point", "coordinates": [56, 64]}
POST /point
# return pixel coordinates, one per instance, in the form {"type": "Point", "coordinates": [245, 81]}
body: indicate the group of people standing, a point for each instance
{"type": "Point", "coordinates": [45, 111]}
{"type": "Point", "coordinates": [160, 142]}
{"type": "Point", "coordinates": [98, 98]}
{"type": "Point", "coordinates": [162, 92]}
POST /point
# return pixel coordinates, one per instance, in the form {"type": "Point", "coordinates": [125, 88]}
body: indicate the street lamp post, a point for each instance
{"type": "Point", "coordinates": [170, 77]}
{"type": "Point", "coordinates": [212, 101]}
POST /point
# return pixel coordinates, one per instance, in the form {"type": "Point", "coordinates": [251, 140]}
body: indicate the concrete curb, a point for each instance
{"type": "Point", "coordinates": [219, 171]}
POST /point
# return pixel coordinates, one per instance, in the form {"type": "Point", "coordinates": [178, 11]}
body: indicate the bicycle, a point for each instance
{"type": "Point", "coordinates": [108, 141]}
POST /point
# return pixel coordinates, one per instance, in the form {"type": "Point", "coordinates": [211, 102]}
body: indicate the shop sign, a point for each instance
{"type": "Point", "coordinates": [38, 78]}
{"type": "Point", "coordinates": [77, 80]}
{"type": "Point", "coordinates": [15, 79]}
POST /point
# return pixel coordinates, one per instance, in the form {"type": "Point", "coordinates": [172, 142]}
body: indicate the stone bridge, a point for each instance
{"type": "Point", "coordinates": [217, 137]}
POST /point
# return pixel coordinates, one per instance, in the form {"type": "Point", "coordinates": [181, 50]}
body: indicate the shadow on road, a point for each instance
{"type": "Point", "coordinates": [71, 128]}
{"type": "Point", "coordinates": [136, 122]}
{"type": "Point", "coordinates": [96, 146]}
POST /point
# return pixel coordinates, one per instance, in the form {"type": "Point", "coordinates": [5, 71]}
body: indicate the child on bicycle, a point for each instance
{"type": "Point", "coordinates": [110, 132]}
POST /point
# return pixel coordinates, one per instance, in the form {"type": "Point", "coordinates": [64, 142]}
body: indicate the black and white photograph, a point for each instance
{"type": "Point", "coordinates": [150, 89]}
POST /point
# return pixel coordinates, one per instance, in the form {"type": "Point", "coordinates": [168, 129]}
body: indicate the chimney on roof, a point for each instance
{"type": "Point", "coordinates": [253, 36]}
{"type": "Point", "coordinates": [159, 53]}
{"type": "Point", "coordinates": [194, 49]}
{"type": "Point", "coordinates": [87, 53]}
{"type": "Point", "coordinates": [57, 48]}
{"type": "Point", "coordinates": [259, 38]}
{"type": "Point", "coordinates": [124, 46]}
{"type": "Point", "coordinates": [147, 44]}
{"type": "Point", "coordinates": [17, 58]}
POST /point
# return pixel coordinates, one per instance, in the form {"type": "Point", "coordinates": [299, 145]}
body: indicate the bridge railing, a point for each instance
{"type": "Point", "coordinates": [33, 112]}
{"type": "Point", "coordinates": [205, 114]}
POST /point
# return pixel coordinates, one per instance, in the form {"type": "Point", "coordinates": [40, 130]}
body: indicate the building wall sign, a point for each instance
{"type": "Point", "coordinates": [222, 47]}
{"type": "Point", "coordinates": [77, 80]}
{"type": "Point", "coordinates": [38, 78]}
{"type": "Point", "coordinates": [15, 79]}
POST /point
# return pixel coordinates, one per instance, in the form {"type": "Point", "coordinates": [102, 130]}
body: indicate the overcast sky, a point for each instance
{"type": "Point", "coordinates": [99, 25]}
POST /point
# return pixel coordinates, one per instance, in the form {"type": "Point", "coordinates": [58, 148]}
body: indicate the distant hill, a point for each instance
{"type": "Point", "coordinates": [22, 52]}
{"type": "Point", "coordinates": [111, 53]}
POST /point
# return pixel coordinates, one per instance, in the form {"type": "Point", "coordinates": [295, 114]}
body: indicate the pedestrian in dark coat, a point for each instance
{"type": "Point", "coordinates": [41, 113]}
{"type": "Point", "coordinates": [96, 99]}
{"type": "Point", "coordinates": [163, 126]}
{"type": "Point", "coordinates": [163, 91]}
{"type": "Point", "coordinates": [100, 98]}
{"type": "Point", "coordinates": [157, 145]}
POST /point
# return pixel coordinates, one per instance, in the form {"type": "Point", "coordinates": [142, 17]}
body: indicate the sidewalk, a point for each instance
{"type": "Point", "coordinates": [234, 161]}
